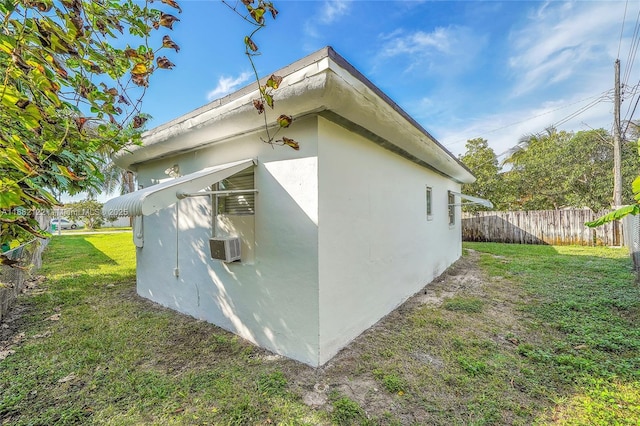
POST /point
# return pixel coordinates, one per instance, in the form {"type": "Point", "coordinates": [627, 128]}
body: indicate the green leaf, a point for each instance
{"type": "Point", "coordinates": [250, 44]}
{"type": "Point", "coordinates": [10, 194]}
{"type": "Point", "coordinates": [51, 145]}
{"type": "Point", "coordinates": [285, 120]}
{"type": "Point", "coordinates": [268, 99]}
{"type": "Point", "coordinates": [64, 170]}
{"type": "Point", "coordinates": [48, 198]}
{"type": "Point", "coordinates": [7, 44]}
{"type": "Point", "coordinates": [72, 29]}
{"type": "Point", "coordinates": [12, 155]}
{"type": "Point", "coordinates": [274, 81]}
{"type": "Point", "coordinates": [635, 185]}
{"type": "Point", "coordinates": [53, 97]}
{"type": "Point", "coordinates": [10, 96]}
{"type": "Point", "coordinates": [257, 14]}
{"type": "Point", "coordinates": [31, 117]}
{"type": "Point", "coordinates": [51, 52]}
{"type": "Point", "coordinates": [633, 209]}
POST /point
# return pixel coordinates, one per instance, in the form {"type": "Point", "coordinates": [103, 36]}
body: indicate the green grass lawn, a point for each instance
{"type": "Point", "coordinates": [97, 230]}
{"type": "Point", "coordinates": [582, 312]}
{"type": "Point", "coordinates": [510, 335]}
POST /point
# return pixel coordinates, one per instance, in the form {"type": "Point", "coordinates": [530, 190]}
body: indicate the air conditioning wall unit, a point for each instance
{"type": "Point", "coordinates": [225, 249]}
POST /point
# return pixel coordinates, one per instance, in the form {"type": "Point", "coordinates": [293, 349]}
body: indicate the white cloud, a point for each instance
{"type": "Point", "coordinates": [227, 85]}
{"type": "Point", "coordinates": [419, 42]}
{"type": "Point", "coordinates": [449, 49]}
{"type": "Point", "coordinates": [332, 10]}
{"type": "Point", "coordinates": [310, 29]}
{"type": "Point", "coordinates": [560, 41]}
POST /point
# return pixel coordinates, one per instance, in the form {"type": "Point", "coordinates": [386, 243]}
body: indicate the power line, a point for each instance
{"type": "Point", "coordinates": [631, 116]}
{"type": "Point", "coordinates": [600, 137]}
{"type": "Point", "coordinates": [578, 112]}
{"type": "Point", "coordinates": [598, 98]}
{"type": "Point", "coordinates": [633, 50]}
{"type": "Point", "coordinates": [633, 92]}
{"type": "Point", "coordinates": [624, 18]}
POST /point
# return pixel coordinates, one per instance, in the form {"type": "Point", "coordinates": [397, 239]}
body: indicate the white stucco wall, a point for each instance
{"type": "Point", "coordinates": [270, 299]}
{"type": "Point", "coordinates": [340, 238]}
{"type": "Point", "coordinates": [376, 247]}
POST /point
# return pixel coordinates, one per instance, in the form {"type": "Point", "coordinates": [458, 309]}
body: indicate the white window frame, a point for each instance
{"type": "Point", "coordinates": [429, 201]}
{"type": "Point", "coordinates": [451, 208]}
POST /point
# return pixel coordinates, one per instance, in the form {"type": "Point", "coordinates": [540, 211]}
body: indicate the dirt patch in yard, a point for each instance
{"type": "Point", "coordinates": [400, 369]}
{"type": "Point", "coordinates": [464, 275]}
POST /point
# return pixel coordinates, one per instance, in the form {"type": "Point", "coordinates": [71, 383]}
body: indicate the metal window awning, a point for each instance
{"type": "Point", "coordinates": [473, 200]}
{"type": "Point", "coordinates": [149, 200]}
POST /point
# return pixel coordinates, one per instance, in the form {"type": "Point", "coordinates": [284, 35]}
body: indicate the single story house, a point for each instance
{"type": "Point", "coordinates": [296, 251]}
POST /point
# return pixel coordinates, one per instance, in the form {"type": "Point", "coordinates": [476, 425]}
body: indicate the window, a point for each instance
{"type": "Point", "coordinates": [429, 208]}
{"type": "Point", "coordinates": [234, 213]}
{"type": "Point", "coordinates": [237, 204]}
{"type": "Point", "coordinates": [452, 208]}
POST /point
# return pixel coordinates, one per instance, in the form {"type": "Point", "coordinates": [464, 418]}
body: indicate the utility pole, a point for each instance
{"type": "Point", "coordinates": [617, 156]}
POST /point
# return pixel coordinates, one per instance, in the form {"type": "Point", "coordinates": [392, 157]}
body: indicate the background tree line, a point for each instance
{"type": "Point", "coordinates": [551, 170]}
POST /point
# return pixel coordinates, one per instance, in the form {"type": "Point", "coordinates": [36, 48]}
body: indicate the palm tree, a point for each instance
{"type": "Point", "coordinates": [117, 180]}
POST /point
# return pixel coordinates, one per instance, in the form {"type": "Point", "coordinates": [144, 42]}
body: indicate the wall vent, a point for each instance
{"type": "Point", "coordinates": [225, 249]}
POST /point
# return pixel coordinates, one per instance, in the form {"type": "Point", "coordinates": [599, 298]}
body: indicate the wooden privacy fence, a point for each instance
{"type": "Point", "coordinates": [557, 227]}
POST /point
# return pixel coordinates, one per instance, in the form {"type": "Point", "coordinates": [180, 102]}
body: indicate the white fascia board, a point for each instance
{"type": "Point", "coordinates": [220, 120]}
{"type": "Point", "coordinates": [323, 84]}
{"type": "Point", "coordinates": [352, 99]}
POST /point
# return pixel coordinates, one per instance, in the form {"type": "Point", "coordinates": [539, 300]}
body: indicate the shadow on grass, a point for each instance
{"type": "Point", "coordinates": [74, 253]}
{"type": "Point", "coordinates": [74, 265]}
{"type": "Point", "coordinates": [96, 254]}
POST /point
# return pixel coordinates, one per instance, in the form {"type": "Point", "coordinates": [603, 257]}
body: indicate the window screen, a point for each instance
{"type": "Point", "coordinates": [452, 208]}
{"type": "Point", "coordinates": [429, 199]}
{"type": "Point", "coordinates": [237, 204]}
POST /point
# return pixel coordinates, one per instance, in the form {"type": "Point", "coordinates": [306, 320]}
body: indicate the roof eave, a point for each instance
{"type": "Point", "coordinates": [321, 82]}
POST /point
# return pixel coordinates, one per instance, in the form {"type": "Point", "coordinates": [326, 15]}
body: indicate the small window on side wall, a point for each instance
{"type": "Point", "coordinates": [451, 202]}
{"type": "Point", "coordinates": [429, 199]}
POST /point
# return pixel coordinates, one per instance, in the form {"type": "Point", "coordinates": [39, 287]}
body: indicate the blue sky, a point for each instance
{"type": "Point", "coordinates": [462, 69]}
{"type": "Point", "coordinates": [491, 69]}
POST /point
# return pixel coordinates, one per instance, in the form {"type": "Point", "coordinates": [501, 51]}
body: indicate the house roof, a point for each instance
{"type": "Point", "coordinates": [322, 83]}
